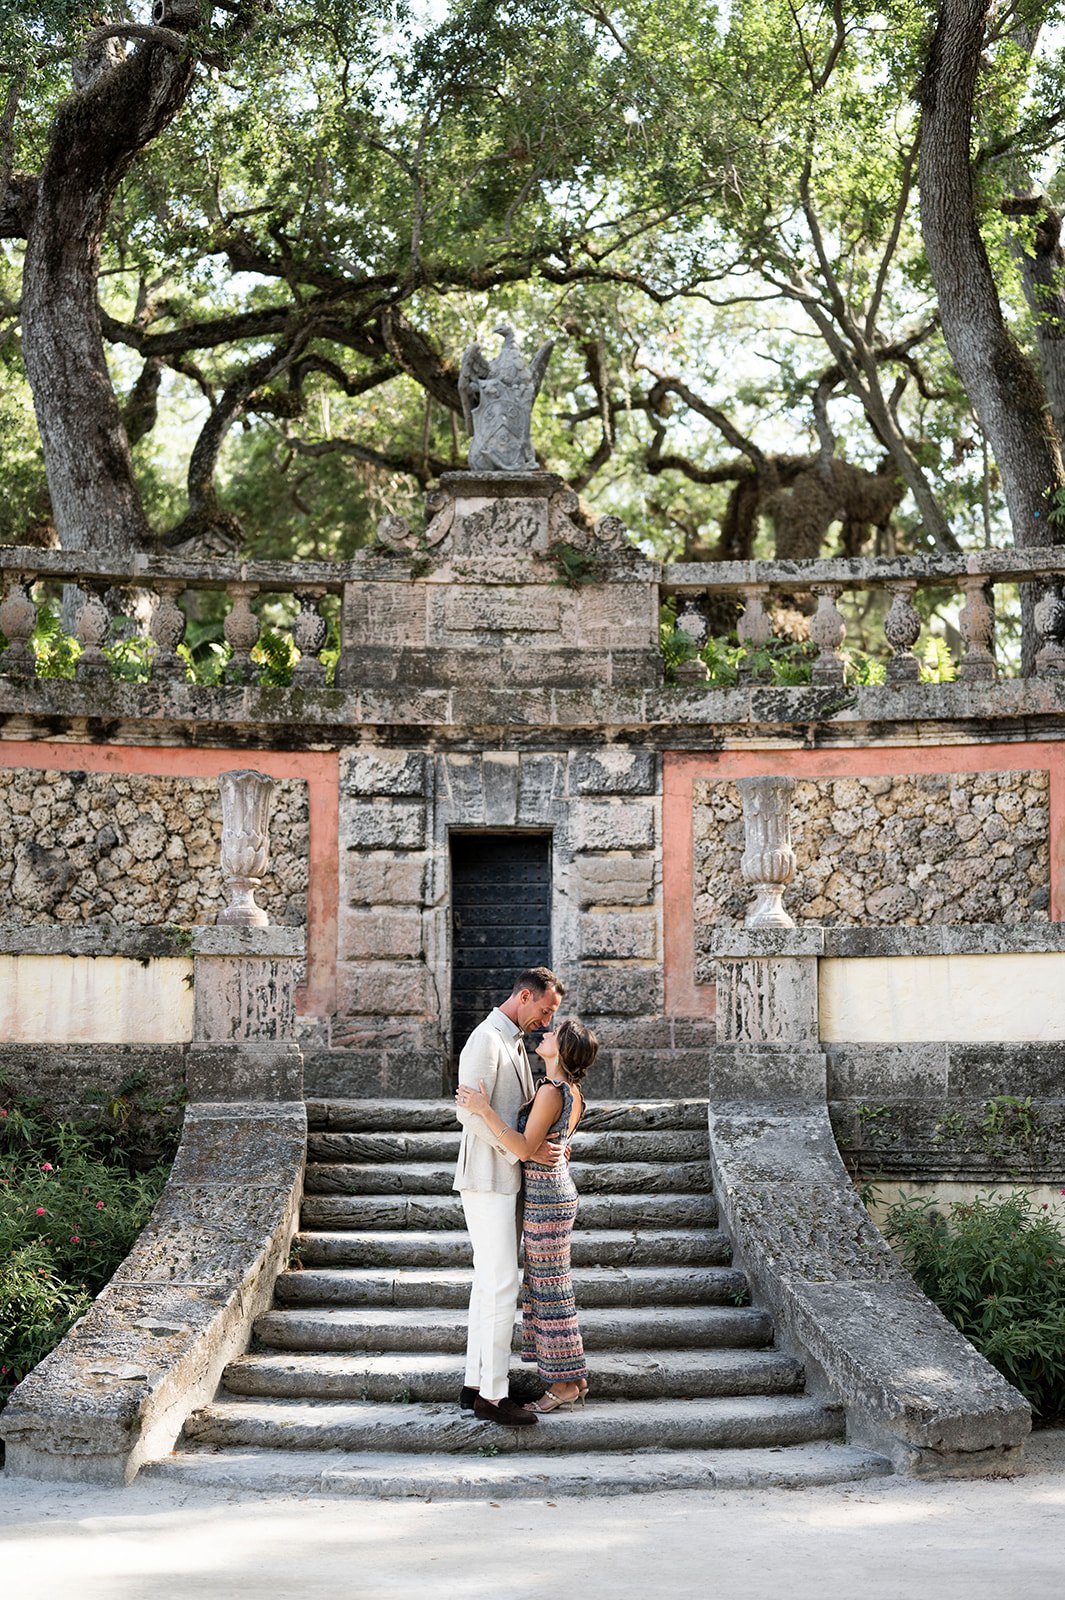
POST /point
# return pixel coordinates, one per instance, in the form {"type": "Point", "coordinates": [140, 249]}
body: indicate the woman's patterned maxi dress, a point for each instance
{"type": "Point", "coordinates": [550, 1335]}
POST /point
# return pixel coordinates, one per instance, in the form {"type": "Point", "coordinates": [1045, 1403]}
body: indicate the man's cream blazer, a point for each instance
{"type": "Point", "coordinates": [490, 1055]}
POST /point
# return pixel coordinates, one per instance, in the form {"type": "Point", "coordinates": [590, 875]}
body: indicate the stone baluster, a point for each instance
{"type": "Point", "coordinates": [828, 631]}
{"type": "Point", "coordinates": [241, 630]}
{"type": "Point", "coordinates": [309, 632]}
{"type": "Point", "coordinates": [18, 618]}
{"type": "Point", "coordinates": [754, 628]}
{"type": "Point", "coordinates": [247, 800]}
{"type": "Point", "coordinates": [977, 623]}
{"type": "Point", "coordinates": [1049, 616]}
{"type": "Point", "coordinates": [692, 621]}
{"type": "Point", "coordinates": [167, 628]}
{"type": "Point", "coordinates": [92, 624]}
{"type": "Point", "coordinates": [902, 629]}
{"type": "Point", "coordinates": [768, 863]}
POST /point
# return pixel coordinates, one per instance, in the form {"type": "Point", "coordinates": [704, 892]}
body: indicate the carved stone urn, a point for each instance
{"type": "Point", "coordinates": [768, 863]}
{"type": "Point", "coordinates": [247, 800]}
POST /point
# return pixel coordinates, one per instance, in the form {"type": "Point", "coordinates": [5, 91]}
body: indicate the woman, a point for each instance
{"type": "Point", "coordinates": [550, 1335]}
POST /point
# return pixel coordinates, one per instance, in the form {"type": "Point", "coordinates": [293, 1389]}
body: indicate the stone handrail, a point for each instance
{"type": "Point", "coordinates": [152, 1347]}
{"type": "Point", "coordinates": [973, 575]}
{"type": "Point", "coordinates": [116, 1391]}
{"type": "Point", "coordinates": [912, 1385]}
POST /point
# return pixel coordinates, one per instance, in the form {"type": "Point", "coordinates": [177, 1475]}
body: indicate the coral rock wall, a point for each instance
{"type": "Point", "coordinates": [889, 851]}
{"type": "Point", "coordinates": [144, 850]}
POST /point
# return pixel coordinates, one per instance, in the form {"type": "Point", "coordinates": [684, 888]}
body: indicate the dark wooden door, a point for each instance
{"type": "Point", "coordinates": [500, 920]}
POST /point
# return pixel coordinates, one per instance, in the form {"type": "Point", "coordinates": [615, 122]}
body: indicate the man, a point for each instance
{"type": "Point", "coordinates": [488, 1178]}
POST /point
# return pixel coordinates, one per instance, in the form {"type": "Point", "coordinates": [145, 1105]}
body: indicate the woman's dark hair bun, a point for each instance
{"type": "Point", "coordinates": [577, 1048]}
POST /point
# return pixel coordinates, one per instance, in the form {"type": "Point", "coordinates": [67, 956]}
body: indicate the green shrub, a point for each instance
{"type": "Point", "coordinates": [71, 1205]}
{"type": "Point", "coordinates": [996, 1267]}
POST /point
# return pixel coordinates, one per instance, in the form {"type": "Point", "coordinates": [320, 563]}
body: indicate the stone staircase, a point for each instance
{"type": "Point", "coordinates": [352, 1382]}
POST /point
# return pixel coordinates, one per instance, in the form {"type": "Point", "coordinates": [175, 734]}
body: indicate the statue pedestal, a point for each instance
{"type": "Point", "coordinates": [499, 512]}
{"type": "Point", "coordinates": [509, 589]}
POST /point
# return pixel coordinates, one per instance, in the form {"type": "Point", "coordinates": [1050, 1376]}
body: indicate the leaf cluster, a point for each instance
{"type": "Point", "coordinates": [995, 1266]}
{"type": "Point", "coordinates": [72, 1201]}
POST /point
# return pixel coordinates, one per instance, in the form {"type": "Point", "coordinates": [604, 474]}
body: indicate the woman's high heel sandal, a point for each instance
{"type": "Point", "coordinates": [550, 1402]}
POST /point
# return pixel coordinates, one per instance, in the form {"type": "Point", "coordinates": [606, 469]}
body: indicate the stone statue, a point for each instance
{"type": "Point", "coordinates": [497, 400]}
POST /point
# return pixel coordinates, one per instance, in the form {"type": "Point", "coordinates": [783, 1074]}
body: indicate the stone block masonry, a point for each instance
{"type": "Point", "coordinates": [134, 849]}
{"type": "Point", "coordinates": [399, 808]}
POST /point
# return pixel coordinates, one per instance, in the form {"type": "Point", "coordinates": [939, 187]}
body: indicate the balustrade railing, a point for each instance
{"type": "Point", "coordinates": [158, 588]}
{"type": "Point", "coordinates": [754, 584]}
{"type": "Point", "coordinates": [163, 582]}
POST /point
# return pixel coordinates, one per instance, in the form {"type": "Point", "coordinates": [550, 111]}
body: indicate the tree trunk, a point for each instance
{"type": "Point", "coordinates": [95, 137]}
{"type": "Point", "coordinates": [1043, 276]}
{"type": "Point", "coordinates": [1001, 382]}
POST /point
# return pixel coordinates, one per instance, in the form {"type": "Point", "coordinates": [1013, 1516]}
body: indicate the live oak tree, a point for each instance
{"type": "Point", "coordinates": [266, 200]}
{"type": "Point", "coordinates": [255, 238]}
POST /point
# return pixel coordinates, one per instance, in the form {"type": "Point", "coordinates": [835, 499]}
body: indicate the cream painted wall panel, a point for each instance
{"type": "Point", "coordinates": [981, 999]}
{"type": "Point", "coordinates": [95, 1000]}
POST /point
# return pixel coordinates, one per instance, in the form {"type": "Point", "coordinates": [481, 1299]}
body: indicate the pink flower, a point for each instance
{"type": "Point", "coordinates": [99, 1205]}
{"type": "Point", "coordinates": [75, 1239]}
{"type": "Point", "coordinates": [46, 1166]}
{"type": "Point", "coordinates": [3, 1113]}
{"type": "Point", "coordinates": [41, 1211]}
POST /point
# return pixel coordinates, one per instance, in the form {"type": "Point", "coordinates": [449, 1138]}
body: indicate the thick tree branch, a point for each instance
{"type": "Point", "coordinates": [422, 468]}
{"type": "Point", "coordinates": [143, 33]}
{"type": "Point", "coordinates": [721, 422]}
{"type": "Point", "coordinates": [206, 514]}
{"type": "Point", "coordinates": [17, 200]}
{"type": "Point", "coordinates": [94, 139]}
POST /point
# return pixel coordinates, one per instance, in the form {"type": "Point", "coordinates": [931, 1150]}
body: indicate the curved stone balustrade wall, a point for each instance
{"type": "Point", "coordinates": [152, 1346]}
{"type": "Point", "coordinates": [912, 1385]}
{"type": "Point", "coordinates": [116, 1391]}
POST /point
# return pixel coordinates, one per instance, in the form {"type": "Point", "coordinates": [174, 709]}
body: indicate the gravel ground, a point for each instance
{"type": "Point", "coordinates": [886, 1539]}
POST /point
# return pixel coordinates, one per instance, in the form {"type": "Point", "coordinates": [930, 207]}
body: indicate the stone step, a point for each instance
{"type": "Point", "coordinates": [432, 1287]}
{"type": "Point", "coordinates": [434, 1212]}
{"type": "Point", "coordinates": [528, 1476]}
{"type": "Point", "coordinates": [614, 1374]}
{"type": "Point", "coordinates": [603, 1328]}
{"type": "Point", "coordinates": [716, 1423]}
{"type": "Point", "coordinates": [592, 1247]}
{"type": "Point", "coordinates": [393, 1116]}
{"type": "Point", "coordinates": [664, 1144]}
{"type": "Point", "coordinates": [431, 1177]}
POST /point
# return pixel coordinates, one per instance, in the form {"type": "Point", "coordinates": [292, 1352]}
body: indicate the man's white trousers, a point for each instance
{"type": "Point", "coordinates": [492, 1223]}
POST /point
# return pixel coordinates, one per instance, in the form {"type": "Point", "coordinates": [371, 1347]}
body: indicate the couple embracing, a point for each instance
{"type": "Point", "coordinates": [514, 1159]}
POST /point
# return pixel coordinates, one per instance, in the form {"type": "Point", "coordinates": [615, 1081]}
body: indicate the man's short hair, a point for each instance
{"type": "Point", "coordinates": [538, 980]}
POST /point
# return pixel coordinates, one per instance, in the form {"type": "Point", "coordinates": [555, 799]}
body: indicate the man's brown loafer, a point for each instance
{"type": "Point", "coordinates": [506, 1412]}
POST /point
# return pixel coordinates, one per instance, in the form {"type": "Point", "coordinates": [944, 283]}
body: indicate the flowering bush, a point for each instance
{"type": "Point", "coordinates": [996, 1267]}
{"type": "Point", "coordinates": [70, 1208]}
